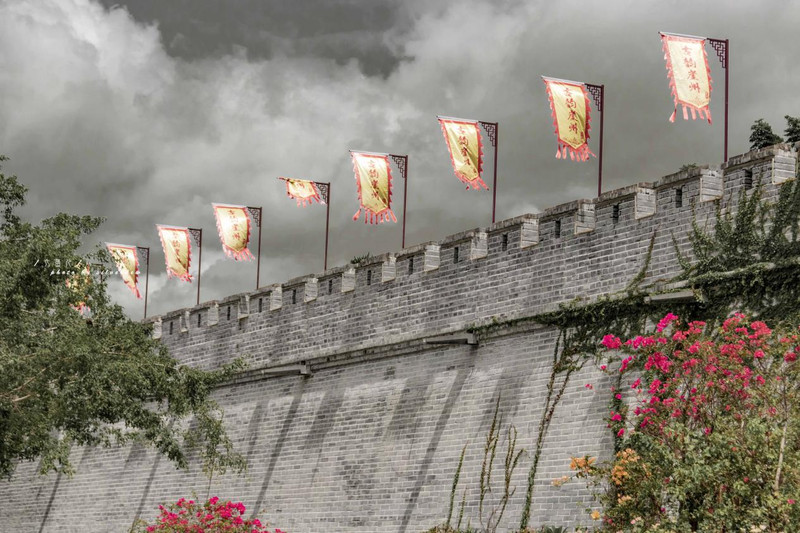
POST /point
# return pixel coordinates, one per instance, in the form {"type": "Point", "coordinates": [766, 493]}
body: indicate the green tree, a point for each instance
{"type": "Point", "coordinates": [792, 130]}
{"type": "Point", "coordinates": [71, 380]}
{"type": "Point", "coordinates": [761, 135]}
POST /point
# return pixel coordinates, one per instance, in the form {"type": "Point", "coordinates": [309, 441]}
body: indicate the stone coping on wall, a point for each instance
{"type": "Point", "coordinates": [783, 162]}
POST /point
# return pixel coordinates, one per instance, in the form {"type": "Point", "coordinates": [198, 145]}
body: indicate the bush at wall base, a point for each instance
{"type": "Point", "coordinates": [215, 516]}
{"type": "Point", "coordinates": [707, 425]}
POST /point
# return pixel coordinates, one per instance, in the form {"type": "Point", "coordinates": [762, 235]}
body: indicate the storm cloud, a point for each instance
{"type": "Point", "coordinates": [146, 112]}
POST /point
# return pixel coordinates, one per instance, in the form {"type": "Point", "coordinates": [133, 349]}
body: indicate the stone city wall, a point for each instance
{"type": "Point", "coordinates": [351, 422]}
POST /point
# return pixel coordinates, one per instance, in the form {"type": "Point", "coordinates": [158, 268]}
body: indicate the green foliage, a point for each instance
{"type": "Point", "coordinates": [69, 380]}
{"type": "Point", "coordinates": [761, 135]}
{"type": "Point", "coordinates": [448, 529]}
{"type": "Point", "coordinates": [490, 508]}
{"type": "Point", "coordinates": [751, 260]}
{"type": "Point", "coordinates": [455, 486]}
{"type": "Point", "coordinates": [687, 166]}
{"type": "Point", "coordinates": [360, 259]}
{"type": "Point", "coordinates": [512, 457]}
{"type": "Point", "coordinates": [792, 130]}
{"type": "Point", "coordinates": [713, 442]}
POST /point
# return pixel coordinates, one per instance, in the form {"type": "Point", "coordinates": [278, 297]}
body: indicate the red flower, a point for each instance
{"type": "Point", "coordinates": [611, 342]}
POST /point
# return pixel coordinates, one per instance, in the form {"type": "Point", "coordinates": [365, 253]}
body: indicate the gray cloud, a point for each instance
{"type": "Point", "coordinates": [147, 114]}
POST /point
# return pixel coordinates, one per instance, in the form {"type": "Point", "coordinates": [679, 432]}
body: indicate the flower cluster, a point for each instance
{"type": "Point", "coordinates": [709, 434]}
{"type": "Point", "coordinates": [215, 516]}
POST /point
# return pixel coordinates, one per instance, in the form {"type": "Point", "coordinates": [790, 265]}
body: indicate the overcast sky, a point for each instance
{"type": "Point", "coordinates": [146, 111]}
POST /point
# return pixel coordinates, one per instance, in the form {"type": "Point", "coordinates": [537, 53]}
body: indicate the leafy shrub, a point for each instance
{"type": "Point", "coordinates": [215, 516]}
{"type": "Point", "coordinates": [712, 442]}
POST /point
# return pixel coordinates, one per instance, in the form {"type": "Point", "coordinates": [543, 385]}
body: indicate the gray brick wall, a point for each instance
{"type": "Point", "coordinates": [369, 442]}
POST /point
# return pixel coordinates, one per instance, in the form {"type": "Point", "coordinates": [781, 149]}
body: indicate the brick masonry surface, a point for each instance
{"type": "Point", "coordinates": [369, 441]}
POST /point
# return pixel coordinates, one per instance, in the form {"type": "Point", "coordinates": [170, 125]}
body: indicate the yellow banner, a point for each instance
{"type": "Point", "coordinates": [571, 117]}
{"type": "Point", "coordinates": [689, 74]}
{"type": "Point", "coordinates": [177, 251]}
{"type": "Point", "coordinates": [233, 226]}
{"type": "Point", "coordinates": [80, 282]}
{"type": "Point", "coordinates": [127, 262]}
{"type": "Point", "coordinates": [374, 180]}
{"type": "Point", "coordinates": [466, 150]}
{"type": "Point", "coordinates": [303, 191]}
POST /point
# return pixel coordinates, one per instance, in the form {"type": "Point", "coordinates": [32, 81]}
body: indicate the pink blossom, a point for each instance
{"type": "Point", "coordinates": [611, 342]}
{"type": "Point", "coordinates": [666, 321]}
{"type": "Point", "coordinates": [621, 432]}
{"type": "Point", "coordinates": [625, 363]}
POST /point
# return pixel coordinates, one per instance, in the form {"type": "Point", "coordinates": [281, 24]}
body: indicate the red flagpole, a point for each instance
{"type": "Point", "coordinates": [325, 191]}
{"type": "Point", "coordinates": [598, 95]}
{"type": "Point", "coordinates": [198, 238]}
{"type": "Point", "coordinates": [256, 213]}
{"type": "Point", "coordinates": [402, 163]}
{"type": "Point", "coordinates": [493, 130]}
{"type": "Point", "coordinates": [722, 47]}
{"type": "Point", "coordinates": [146, 254]}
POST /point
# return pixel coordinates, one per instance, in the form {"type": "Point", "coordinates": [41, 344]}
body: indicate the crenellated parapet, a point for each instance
{"type": "Point", "coordinates": [516, 267]}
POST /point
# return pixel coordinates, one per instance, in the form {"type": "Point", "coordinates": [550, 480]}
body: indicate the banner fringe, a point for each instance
{"type": "Point", "coordinates": [671, 78]}
{"type": "Point", "coordinates": [237, 255]}
{"type": "Point", "coordinates": [371, 217]}
{"type": "Point", "coordinates": [171, 273]}
{"type": "Point", "coordinates": [478, 182]}
{"type": "Point", "coordinates": [582, 152]}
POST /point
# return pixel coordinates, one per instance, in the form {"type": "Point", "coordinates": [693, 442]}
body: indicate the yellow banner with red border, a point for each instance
{"type": "Point", "coordinates": [569, 104]}
{"type": "Point", "coordinates": [689, 74]}
{"type": "Point", "coordinates": [177, 250]}
{"type": "Point", "coordinates": [233, 226]}
{"type": "Point", "coordinates": [302, 191]}
{"type": "Point", "coordinates": [127, 261]}
{"type": "Point", "coordinates": [374, 181]}
{"type": "Point", "coordinates": [463, 138]}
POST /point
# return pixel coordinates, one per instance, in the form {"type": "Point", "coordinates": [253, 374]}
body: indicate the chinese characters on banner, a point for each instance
{"type": "Point", "coordinates": [127, 261]}
{"type": "Point", "coordinates": [466, 150]}
{"type": "Point", "coordinates": [177, 250]}
{"type": "Point", "coordinates": [689, 74]}
{"type": "Point", "coordinates": [303, 191]}
{"type": "Point", "coordinates": [569, 103]}
{"type": "Point", "coordinates": [233, 226]}
{"type": "Point", "coordinates": [374, 180]}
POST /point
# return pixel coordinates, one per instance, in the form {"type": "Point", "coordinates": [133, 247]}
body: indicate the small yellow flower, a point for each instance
{"type": "Point", "coordinates": [595, 515]}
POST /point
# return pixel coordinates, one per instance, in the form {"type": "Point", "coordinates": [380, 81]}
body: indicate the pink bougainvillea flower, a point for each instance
{"type": "Point", "coordinates": [665, 322]}
{"type": "Point", "coordinates": [611, 342]}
